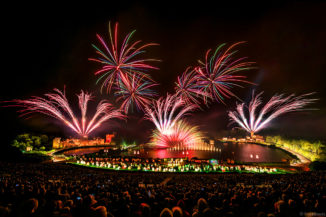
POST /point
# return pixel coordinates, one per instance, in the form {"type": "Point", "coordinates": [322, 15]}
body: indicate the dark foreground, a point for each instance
{"type": "Point", "coordinates": [67, 190]}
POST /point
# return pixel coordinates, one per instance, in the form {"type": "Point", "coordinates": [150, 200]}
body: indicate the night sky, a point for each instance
{"type": "Point", "coordinates": [48, 46]}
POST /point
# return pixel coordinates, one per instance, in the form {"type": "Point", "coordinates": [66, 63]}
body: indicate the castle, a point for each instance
{"type": "Point", "coordinates": [58, 143]}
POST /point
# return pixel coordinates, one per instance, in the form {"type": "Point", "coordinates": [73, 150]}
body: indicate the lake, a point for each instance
{"type": "Point", "coordinates": [244, 152]}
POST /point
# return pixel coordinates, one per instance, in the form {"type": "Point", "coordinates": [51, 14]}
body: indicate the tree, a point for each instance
{"type": "Point", "coordinates": [36, 141]}
{"type": "Point", "coordinates": [44, 139]}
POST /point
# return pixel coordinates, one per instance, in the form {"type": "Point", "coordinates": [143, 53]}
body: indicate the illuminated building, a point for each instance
{"type": "Point", "coordinates": [57, 143]}
{"type": "Point", "coordinates": [74, 142]}
{"type": "Point", "coordinates": [108, 138]}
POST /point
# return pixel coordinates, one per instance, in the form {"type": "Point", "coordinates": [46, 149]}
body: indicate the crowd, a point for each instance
{"type": "Point", "coordinates": [58, 189]}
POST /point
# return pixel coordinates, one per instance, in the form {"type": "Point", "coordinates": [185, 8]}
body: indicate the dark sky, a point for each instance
{"type": "Point", "coordinates": [48, 46]}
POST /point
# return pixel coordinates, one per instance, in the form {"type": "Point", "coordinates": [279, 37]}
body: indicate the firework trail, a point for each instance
{"type": "Point", "coordinates": [120, 60]}
{"type": "Point", "coordinates": [216, 75]}
{"type": "Point", "coordinates": [56, 105]}
{"type": "Point", "coordinates": [275, 107]}
{"type": "Point", "coordinates": [83, 99]}
{"type": "Point", "coordinates": [165, 112]}
{"type": "Point", "coordinates": [187, 87]}
{"type": "Point", "coordinates": [181, 134]}
{"type": "Point", "coordinates": [134, 90]}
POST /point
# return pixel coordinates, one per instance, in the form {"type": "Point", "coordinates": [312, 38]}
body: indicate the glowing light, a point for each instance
{"type": "Point", "coordinates": [57, 106]}
{"type": "Point", "coordinates": [275, 107]}
{"type": "Point", "coordinates": [180, 135]}
{"type": "Point", "coordinates": [187, 87]}
{"type": "Point", "coordinates": [120, 61]}
{"type": "Point", "coordinates": [165, 112]}
{"type": "Point", "coordinates": [134, 90]}
{"type": "Point", "coordinates": [215, 75]}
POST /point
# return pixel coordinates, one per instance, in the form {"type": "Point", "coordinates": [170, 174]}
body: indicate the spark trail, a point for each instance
{"type": "Point", "coordinates": [276, 106]}
{"type": "Point", "coordinates": [57, 106]}
{"type": "Point", "coordinates": [120, 60]}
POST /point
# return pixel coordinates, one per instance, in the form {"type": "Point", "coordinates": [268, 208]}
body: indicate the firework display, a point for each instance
{"type": "Point", "coordinates": [181, 135]}
{"type": "Point", "coordinates": [124, 71]}
{"type": "Point", "coordinates": [216, 75]}
{"type": "Point", "coordinates": [117, 60]}
{"type": "Point", "coordinates": [57, 106]}
{"type": "Point", "coordinates": [134, 90]}
{"type": "Point", "coordinates": [276, 106]}
{"type": "Point", "coordinates": [165, 112]}
{"type": "Point", "coordinates": [187, 87]}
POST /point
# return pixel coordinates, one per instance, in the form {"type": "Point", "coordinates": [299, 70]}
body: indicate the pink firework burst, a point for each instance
{"type": "Point", "coordinates": [57, 106]}
{"type": "Point", "coordinates": [165, 112]}
{"type": "Point", "coordinates": [181, 134]}
{"type": "Point", "coordinates": [134, 90]}
{"type": "Point", "coordinates": [216, 75]}
{"type": "Point", "coordinates": [187, 87]}
{"type": "Point", "coordinates": [117, 60]}
{"type": "Point", "coordinates": [275, 107]}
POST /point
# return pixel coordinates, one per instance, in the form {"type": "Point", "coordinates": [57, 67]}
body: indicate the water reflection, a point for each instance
{"type": "Point", "coordinates": [233, 151]}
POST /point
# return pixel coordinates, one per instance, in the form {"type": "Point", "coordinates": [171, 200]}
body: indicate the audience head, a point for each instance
{"type": "Point", "coordinates": [177, 212]}
{"type": "Point", "coordinates": [202, 204]}
{"type": "Point", "coordinates": [166, 212]}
